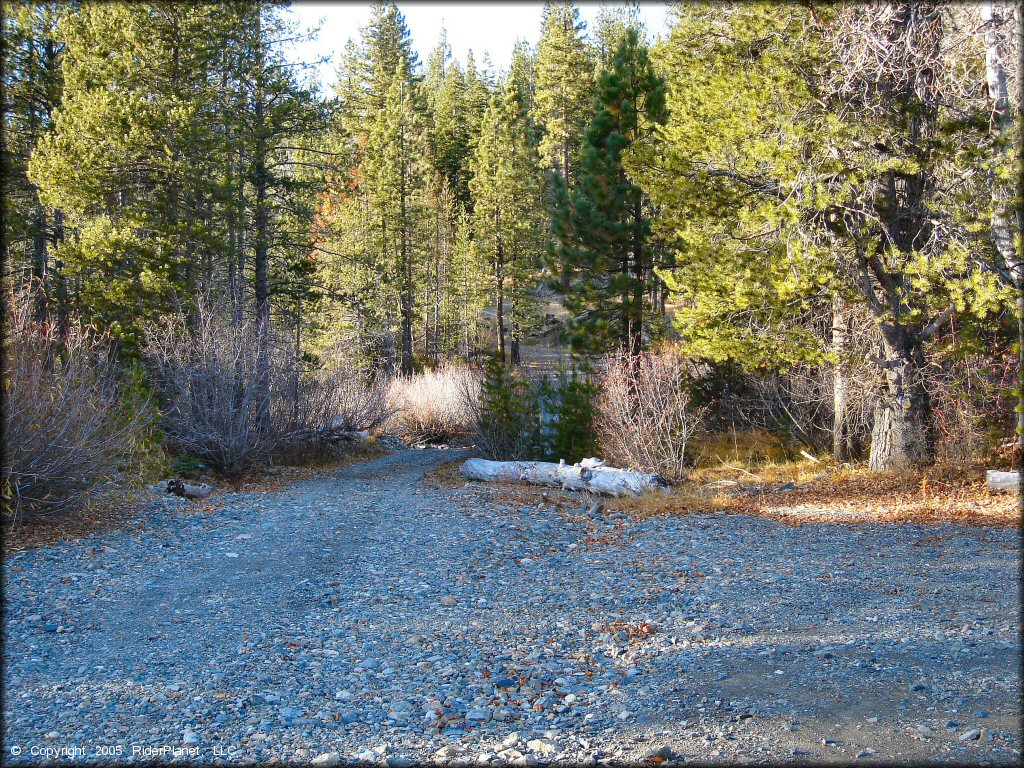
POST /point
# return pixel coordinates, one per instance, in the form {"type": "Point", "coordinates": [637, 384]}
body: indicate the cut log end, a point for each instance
{"type": "Point", "coordinates": [1003, 481]}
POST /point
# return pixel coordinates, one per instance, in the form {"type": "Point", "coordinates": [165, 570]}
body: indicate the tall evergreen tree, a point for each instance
{"type": "Point", "coordinates": [610, 29]}
{"type": "Point", "coordinates": [131, 159]}
{"type": "Point", "coordinates": [602, 228]}
{"type": "Point", "coordinates": [855, 179]}
{"type": "Point", "coordinates": [33, 85]}
{"type": "Point", "coordinates": [395, 179]}
{"type": "Point", "coordinates": [506, 218]}
{"type": "Point", "coordinates": [564, 88]}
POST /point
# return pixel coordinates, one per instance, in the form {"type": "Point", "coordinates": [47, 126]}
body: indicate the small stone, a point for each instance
{"type": "Point", "coordinates": [230, 554]}
{"type": "Point", "coordinates": [981, 714]}
{"type": "Point", "coordinates": [503, 682]}
{"type": "Point", "coordinates": [540, 745]}
{"type": "Point", "coordinates": [972, 735]}
{"type": "Point", "coordinates": [369, 663]}
{"type": "Point", "coordinates": [290, 713]}
{"type": "Point", "coordinates": [190, 737]}
{"type": "Point", "coordinates": [663, 752]}
{"type": "Point", "coordinates": [866, 752]}
{"type": "Point", "coordinates": [448, 600]}
{"type": "Point", "coordinates": [449, 750]}
{"type": "Point", "coordinates": [328, 759]}
{"type": "Point", "coordinates": [478, 715]}
{"type": "Point", "coordinates": [828, 742]}
{"type": "Point", "coordinates": [399, 761]}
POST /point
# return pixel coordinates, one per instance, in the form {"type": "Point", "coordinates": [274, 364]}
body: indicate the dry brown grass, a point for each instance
{"type": "Point", "coordinates": [824, 492]}
{"type": "Point", "coordinates": [433, 407]}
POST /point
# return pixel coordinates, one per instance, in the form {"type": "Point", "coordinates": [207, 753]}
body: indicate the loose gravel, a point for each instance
{"type": "Point", "coordinates": [368, 616]}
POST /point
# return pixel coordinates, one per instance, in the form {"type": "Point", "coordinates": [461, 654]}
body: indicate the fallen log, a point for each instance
{"type": "Point", "coordinates": [1002, 481]}
{"type": "Point", "coordinates": [189, 490]}
{"type": "Point", "coordinates": [595, 479]}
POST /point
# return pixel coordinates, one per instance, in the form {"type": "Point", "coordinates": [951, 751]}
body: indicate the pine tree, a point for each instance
{"type": "Point", "coordinates": [602, 227]}
{"type": "Point", "coordinates": [131, 158]}
{"type": "Point", "coordinates": [855, 180]}
{"type": "Point", "coordinates": [506, 218]}
{"type": "Point", "coordinates": [395, 181]}
{"type": "Point", "coordinates": [610, 29]}
{"type": "Point", "coordinates": [33, 85]}
{"type": "Point", "coordinates": [564, 88]}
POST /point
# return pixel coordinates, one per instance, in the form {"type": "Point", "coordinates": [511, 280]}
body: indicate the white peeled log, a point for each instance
{"type": "Point", "coordinates": [608, 481]}
{"type": "Point", "coordinates": [1002, 481]}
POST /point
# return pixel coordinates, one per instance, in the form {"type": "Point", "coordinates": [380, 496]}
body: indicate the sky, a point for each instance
{"type": "Point", "coordinates": [480, 26]}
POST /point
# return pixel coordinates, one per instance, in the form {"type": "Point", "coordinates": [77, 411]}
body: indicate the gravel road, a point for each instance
{"type": "Point", "coordinates": [367, 615]}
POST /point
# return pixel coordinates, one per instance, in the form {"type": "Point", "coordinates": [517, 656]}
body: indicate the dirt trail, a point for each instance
{"type": "Point", "coordinates": [377, 616]}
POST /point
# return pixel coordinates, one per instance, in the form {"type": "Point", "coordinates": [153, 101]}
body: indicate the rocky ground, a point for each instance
{"type": "Point", "coordinates": [371, 616]}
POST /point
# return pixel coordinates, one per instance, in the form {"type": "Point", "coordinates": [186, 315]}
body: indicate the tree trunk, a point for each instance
{"type": "Point", "coordinates": [636, 306]}
{"type": "Point", "coordinates": [844, 444]}
{"type": "Point", "coordinates": [261, 246]}
{"type": "Point", "coordinates": [499, 286]}
{"type": "Point", "coordinates": [903, 433]}
{"type": "Point", "coordinates": [407, 308]}
{"type": "Point", "coordinates": [514, 353]}
{"type": "Point", "coordinates": [40, 263]}
{"type": "Point", "coordinates": [1007, 219]}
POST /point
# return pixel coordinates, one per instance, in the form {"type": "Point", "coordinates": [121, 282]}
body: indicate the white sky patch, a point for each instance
{"type": "Point", "coordinates": [480, 27]}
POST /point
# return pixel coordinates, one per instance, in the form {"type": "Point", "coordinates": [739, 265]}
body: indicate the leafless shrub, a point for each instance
{"type": "Point", "coordinates": [645, 419]}
{"type": "Point", "coordinates": [325, 408]}
{"type": "Point", "coordinates": [68, 424]}
{"type": "Point", "coordinates": [973, 406]}
{"type": "Point", "coordinates": [215, 390]}
{"type": "Point", "coordinates": [434, 407]}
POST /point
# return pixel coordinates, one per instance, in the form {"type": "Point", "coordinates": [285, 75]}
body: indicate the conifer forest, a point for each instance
{"type": "Point", "coordinates": [511, 384]}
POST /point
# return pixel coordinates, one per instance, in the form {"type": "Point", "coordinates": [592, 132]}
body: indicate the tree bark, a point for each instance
{"type": "Point", "coordinates": [1002, 20]}
{"type": "Point", "coordinates": [261, 246]}
{"type": "Point", "coordinates": [406, 301]}
{"type": "Point", "coordinates": [903, 433]}
{"type": "Point", "coordinates": [844, 443]}
{"type": "Point", "coordinates": [514, 356]}
{"type": "Point", "coordinates": [636, 306]}
{"type": "Point", "coordinates": [499, 287]}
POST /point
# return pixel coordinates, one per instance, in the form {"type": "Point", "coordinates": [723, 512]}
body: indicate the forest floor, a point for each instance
{"type": "Point", "coordinates": [383, 612]}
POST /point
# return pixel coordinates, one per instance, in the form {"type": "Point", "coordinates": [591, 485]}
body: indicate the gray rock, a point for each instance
{"type": "Point", "coordinates": [972, 735]}
{"type": "Point", "coordinates": [327, 759]}
{"type": "Point", "coordinates": [663, 752]}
